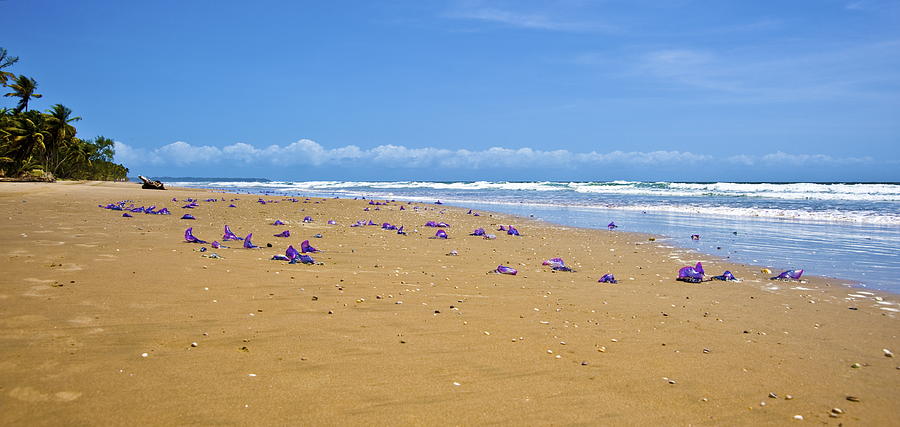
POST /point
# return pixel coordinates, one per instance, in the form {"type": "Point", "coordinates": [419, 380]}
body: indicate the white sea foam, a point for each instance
{"type": "Point", "coordinates": [662, 196]}
{"type": "Point", "coordinates": [791, 191]}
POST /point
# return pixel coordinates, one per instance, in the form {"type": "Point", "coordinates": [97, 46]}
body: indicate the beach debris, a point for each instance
{"type": "Point", "coordinates": [229, 235]}
{"type": "Point", "coordinates": [291, 253]}
{"type": "Point", "coordinates": [285, 233]}
{"type": "Point", "coordinates": [187, 216]}
{"type": "Point", "coordinates": [388, 226]}
{"type": "Point", "coordinates": [280, 257]}
{"type": "Point", "coordinates": [277, 222]}
{"type": "Point", "coordinates": [556, 264]}
{"type": "Point", "coordinates": [232, 206]}
{"type": "Point", "coordinates": [502, 228]}
{"type": "Point", "coordinates": [765, 271]}
{"type": "Point", "coordinates": [307, 219]}
{"type": "Point", "coordinates": [453, 253]}
{"type": "Point", "coordinates": [332, 222]}
{"type": "Point", "coordinates": [695, 237]}
{"type": "Point", "coordinates": [306, 247]}
{"type": "Point", "coordinates": [149, 184]}
{"type": "Point", "coordinates": [727, 277]}
{"type": "Point", "coordinates": [189, 236]}
{"type": "Point", "coordinates": [490, 236]}
{"type": "Point", "coordinates": [213, 256]}
{"type": "Point", "coordinates": [612, 226]}
{"type": "Point", "coordinates": [788, 275]}
{"type": "Point", "coordinates": [441, 234]}
{"type": "Point", "coordinates": [400, 230]}
{"type": "Point", "coordinates": [126, 215]}
{"type": "Point", "coordinates": [691, 274]}
{"type": "Point", "coordinates": [216, 245]}
{"type": "Point", "coordinates": [608, 278]}
{"type": "Point", "coordinates": [247, 243]}
{"type": "Point", "coordinates": [512, 231]}
{"type": "Point", "coordinates": [477, 232]}
{"type": "Point", "coordinates": [203, 249]}
{"type": "Point", "coordinates": [317, 235]}
{"type": "Point", "coordinates": [303, 259]}
{"type": "Point", "coordinates": [502, 269]}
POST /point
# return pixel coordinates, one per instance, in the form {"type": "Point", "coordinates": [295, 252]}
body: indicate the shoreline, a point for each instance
{"type": "Point", "coordinates": [88, 292]}
{"type": "Point", "coordinates": [848, 283]}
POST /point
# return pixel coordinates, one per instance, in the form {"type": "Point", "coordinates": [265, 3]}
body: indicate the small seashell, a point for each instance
{"type": "Point", "coordinates": [798, 417]}
{"type": "Point", "coordinates": [773, 395]}
{"type": "Point", "coordinates": [856, 365]}
{"type": "Point", "coordinates": [887, 353]}
{"type": "Point", "coordinates": [788, 397]}
{"type": "Point", "coordinates": [145, 354]}
{"type": "Point", "coordinates": [853, 398]}
{"type": "Point", "coordinates": [838, 411]}
{"type": "Point", "coordinates": [671, 381]}
{"type": "Point", "coordinates": [193, 344]}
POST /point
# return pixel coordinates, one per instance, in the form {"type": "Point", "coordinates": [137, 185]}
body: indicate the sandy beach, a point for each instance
{"type": "Point", "coordinates": [111, 320]}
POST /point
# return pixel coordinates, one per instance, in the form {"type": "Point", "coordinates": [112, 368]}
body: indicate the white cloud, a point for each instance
{"type": "Point", "coordinates": [306, 152]}
{"type": "Point", "coordinates": [536, 16]}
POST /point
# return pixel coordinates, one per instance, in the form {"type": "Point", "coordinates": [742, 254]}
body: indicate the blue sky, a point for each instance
{"type": "Point", "coordinates": [517, 90]}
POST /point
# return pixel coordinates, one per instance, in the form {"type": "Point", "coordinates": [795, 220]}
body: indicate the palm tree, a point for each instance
{"type": "Point", "coordinates": [6, 61]}
{"type": "Point", "coordinates": [23, 88]}
{"type": "Point", "coordinates": [60, 133]}
{"type": "Point", "coordinates": [75, 159]}
{"type": "Point", "coordinates": [25, 136]}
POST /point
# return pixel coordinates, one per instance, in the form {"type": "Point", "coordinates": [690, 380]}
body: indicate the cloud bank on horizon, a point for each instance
{"type": "Point", "coordinates": [305, 152]}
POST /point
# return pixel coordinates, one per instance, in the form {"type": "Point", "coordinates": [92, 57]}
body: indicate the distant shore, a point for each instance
{"type": "Point", "coordinates": [108, 318]}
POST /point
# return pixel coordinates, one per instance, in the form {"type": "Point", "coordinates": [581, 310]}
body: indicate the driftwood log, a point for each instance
{"type": "Point", "coordinates": [150, 184]}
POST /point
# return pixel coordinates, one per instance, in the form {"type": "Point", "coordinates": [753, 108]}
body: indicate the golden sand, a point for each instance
{"type": "Point", "coordinates": [390, 330]}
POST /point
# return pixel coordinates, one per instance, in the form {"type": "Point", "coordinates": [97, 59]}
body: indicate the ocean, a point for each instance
{"type": "Point", "coordinates": [848, 231]}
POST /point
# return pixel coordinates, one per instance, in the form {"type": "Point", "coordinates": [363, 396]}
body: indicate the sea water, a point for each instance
{"type": "Point", "coordinates": [848, 231]}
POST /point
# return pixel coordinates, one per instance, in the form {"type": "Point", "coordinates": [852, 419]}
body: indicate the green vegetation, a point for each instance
{"type": "Point", "coordinates": [44, 145]}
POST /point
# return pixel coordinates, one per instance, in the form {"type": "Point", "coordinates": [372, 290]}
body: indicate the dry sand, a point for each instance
{"type": "Point", "coordinates": [391, 330]}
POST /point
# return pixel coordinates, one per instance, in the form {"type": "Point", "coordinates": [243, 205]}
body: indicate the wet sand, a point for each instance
{"type": "Point", "coordinates": [391, 330]}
